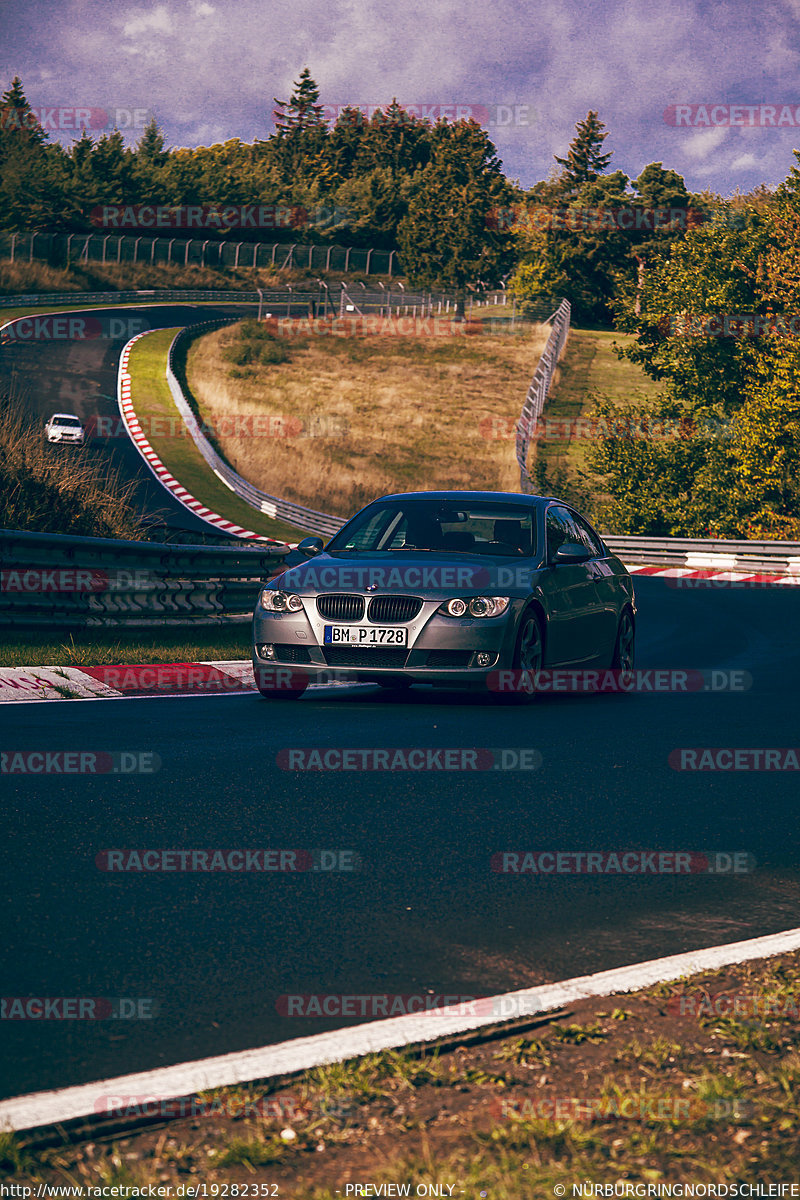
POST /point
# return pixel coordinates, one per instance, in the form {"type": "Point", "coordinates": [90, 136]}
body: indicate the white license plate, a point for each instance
{"type": "Point", "coordinates": [360, 635]}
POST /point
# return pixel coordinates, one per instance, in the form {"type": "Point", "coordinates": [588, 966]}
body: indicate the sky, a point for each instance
{"type": "Point", "coordinates": [711, 90]}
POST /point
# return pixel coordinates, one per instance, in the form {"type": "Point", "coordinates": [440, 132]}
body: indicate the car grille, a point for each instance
{"type": "Point", "coordinates": [339, 606]}
{"type": "Point", "coordinates": [354, 656]}
{"type": "Point", "coordinates": [391, 609]}
{"type": "Point", "coordinates": [292, 654]}
{"type": "Point", "coordinates": [448, 658]}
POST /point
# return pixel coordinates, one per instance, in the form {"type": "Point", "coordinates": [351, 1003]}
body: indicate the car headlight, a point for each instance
{"type": "Point", "coordinates": [273, 600]}
{"type": "Point", "coordinates": [477, 606]}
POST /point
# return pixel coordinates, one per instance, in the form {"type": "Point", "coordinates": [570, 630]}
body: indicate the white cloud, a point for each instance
{"type": "Point", "coordinates": [700, 144]}
{"type": "Point", "coordinates": [158, 20]}
{"type": "Point", "coordinates": [744, 161]}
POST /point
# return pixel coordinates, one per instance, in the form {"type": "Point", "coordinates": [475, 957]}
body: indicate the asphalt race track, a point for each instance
{"type": "Point", "coordinates": [80, 376]}
{"type": "Point", "coordinates": [425, 913]}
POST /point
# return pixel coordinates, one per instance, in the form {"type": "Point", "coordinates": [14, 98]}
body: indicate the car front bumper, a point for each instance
{"type": "Point", "coordinates": [443, 652]}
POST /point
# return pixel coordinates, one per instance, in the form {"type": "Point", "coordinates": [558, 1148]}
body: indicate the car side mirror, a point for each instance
{"type": "Point", "coordinates": [571, 552]}
{"type": "Point", "coordinates": [311, 546]}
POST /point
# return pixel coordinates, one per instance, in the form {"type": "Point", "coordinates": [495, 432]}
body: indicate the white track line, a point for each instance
{"type": "Point", "coordinates": [301, 1054]}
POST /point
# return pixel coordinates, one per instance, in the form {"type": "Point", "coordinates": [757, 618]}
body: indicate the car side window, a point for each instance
{"type": "Point", "coordinates": [588, 537]}
{"type": "Point", "coordinates": [560, 529]}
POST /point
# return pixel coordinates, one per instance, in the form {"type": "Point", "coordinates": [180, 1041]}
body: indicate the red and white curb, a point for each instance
{"type": "Point", "coordinates": [718, 575]}
{"type": "Point", "coordinates": [113, 682]}
{"type": "Point", "coordinates": [164, 477]}
{"type": "Point", "coordinates": [118, 681]}
{"type": "Point", "coordinates": [302, 1054]}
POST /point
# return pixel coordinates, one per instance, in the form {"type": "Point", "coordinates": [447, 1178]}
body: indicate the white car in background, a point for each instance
{"type": "Point", "coordinates": [64, 427]}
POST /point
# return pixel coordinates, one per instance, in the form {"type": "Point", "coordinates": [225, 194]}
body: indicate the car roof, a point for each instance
{"type": "Point", "coordinates": [472, 497]}
{"type": "Point", "coordinates": [72, 416]}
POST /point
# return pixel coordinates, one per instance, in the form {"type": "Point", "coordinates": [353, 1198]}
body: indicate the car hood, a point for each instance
{"type": "Point", "coordinates": [422, 573]}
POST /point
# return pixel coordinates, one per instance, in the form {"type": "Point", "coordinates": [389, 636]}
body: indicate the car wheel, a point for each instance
{"type": "Point", "coordinates": [625, 649]}
{"type": "Point", "coordinates": [528, 655]}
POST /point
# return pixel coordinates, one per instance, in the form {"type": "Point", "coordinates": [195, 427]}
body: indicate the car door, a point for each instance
{"type": "Point", "coordinates": [571, 594]}
{"type": "Point", "coordinates": [608, 589]}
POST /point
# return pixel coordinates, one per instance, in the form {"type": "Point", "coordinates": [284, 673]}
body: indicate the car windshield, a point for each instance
{"type": "Point", "coordinates": [484, 527]}
{"type": "Point", "coordinates": [72, 422]}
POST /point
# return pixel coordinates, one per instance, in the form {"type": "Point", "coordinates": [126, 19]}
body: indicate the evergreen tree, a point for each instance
{"type": "Point", "coordinates": [585, 160]}
{"type": "Point", "coordinates": [17, 118]}
{"type": "Point", "coordinates": [301, 133]}
{"type": "Point", "coordinates": [446, 238]}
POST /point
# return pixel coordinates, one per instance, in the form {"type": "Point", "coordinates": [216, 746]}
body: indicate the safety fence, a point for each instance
{"type": "Point", "coordinates": [58, 582]}
{"type": "Point", "coordinates": [319, 299]}
{"type": "Point", "coordinates": [114, 248]}
{"type": "Point", "coordinates": [539, 388]}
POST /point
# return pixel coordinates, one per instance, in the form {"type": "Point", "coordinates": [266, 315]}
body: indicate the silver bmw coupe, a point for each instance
{"type": "Point", "coordinates": [456, 589]}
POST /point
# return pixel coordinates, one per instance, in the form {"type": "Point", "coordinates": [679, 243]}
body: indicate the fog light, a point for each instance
{"type": "Point", "coordinates": [266, 652]}
{"type": "Point", "coordinates": [485, 660]}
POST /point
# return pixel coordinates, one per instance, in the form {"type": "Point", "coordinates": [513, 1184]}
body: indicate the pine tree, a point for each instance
{"type": "Point", "coordinates": [303, 111]}
{"type": "Point", "coordinates": [300, 135]}
{"type": "Point", "coordinates": [150, 148]}
{"type": "Point", "coordinates": [18, 118]}
{"type": "Point", "coordinates": [584, 162]}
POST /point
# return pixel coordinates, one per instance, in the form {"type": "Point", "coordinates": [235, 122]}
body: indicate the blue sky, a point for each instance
{"type": "Point", "coordinates": [208, 70]}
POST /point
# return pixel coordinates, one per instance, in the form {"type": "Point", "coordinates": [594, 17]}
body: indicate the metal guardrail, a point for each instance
{"type": "Point", "coordinates": [777, 558]}
{"type": "Point", "coordinates": [140, 296]}
{"type": "Point", "coordinates": [60, 582]}
{"type": "Point", "coordinates": [323, 300]}
{"type": "Point", "coordinates": [271, 506]}
{"type": "Point", "coordinates": [539, 387]}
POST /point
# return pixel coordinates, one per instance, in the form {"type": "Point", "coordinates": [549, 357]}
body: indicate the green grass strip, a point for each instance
{"type": "Point", "coordinates": [96, 647]}
{"type": "Point", "coordinates": [163, 427]}
{"type": "Point", "coordinates": [589, 369]}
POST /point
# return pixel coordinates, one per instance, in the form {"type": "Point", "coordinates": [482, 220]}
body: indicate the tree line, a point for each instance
{"type": "Point", "coordinates": [645, 256]}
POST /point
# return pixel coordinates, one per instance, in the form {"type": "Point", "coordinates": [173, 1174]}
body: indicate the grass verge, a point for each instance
{"type": "Point", "coordinates": [164, 428]}
{"type": "Point", "coordinates": [694, 1081]}
{"type": "Point", "coordinates": [590, 369]}
{"type": "Point", "coordinates": [117, 646]}
{"type": "Point", "coordinates": [347, 419]}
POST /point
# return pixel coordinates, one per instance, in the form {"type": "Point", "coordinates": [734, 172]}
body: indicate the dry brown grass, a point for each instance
{"type": "Point", "coordinates": [58, 489]}
{"type": "Point", "coordinates": [419, 412]}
